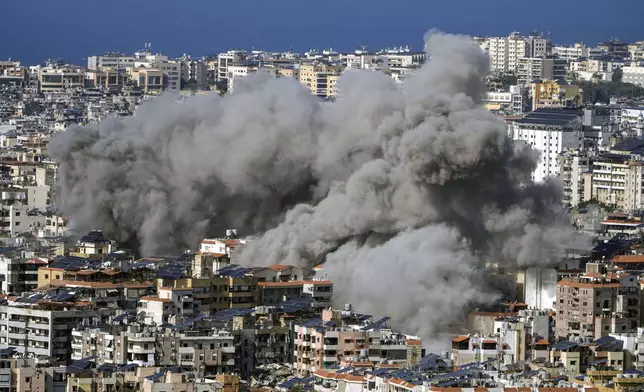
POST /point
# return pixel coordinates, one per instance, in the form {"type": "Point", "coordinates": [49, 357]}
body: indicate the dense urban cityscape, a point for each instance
{"type": "Point", "coordinates": [332, 222]}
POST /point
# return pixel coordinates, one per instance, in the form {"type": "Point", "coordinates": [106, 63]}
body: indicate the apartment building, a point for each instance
{"type": "Point", "coordinates": [595, 304]}
{"type": "Point", "coordinates": [549, 131]}
{"type": "Point", "coordinates": [345, 336]}
{"type": "Point", "coordinates": [634, 75]}
{"type": "Point", "coordinates": [577, 51]}
{"type": "Point", "coordinates": [508, 346]}
{"type": "Point", "coordinates": [209, 352]}
{"type": "Point", "coordinates": [319, 291]}
{"type": "Point", "coordinates": [19, 274]}
{"type": "Point", "coordinates": [43, 329]}
{"type": "Point", "coordinates": [209, 295]}
{"type": "Point", "coordinates": [148, 79]}
{"type": "Point", "coordinates": [575, 167]}
{"type": "Point", "coordinates": [195, 71]}
{"type": "Point", "coordinates": [242, 70]}
{"type": "Point", "coordinates": [554, 94]}
{"type": "Point", "coordinates": [515, 100]}
{"type": "Point", "coordinates": [320, 78]}
{"type": "Point", "coordinates": [60, 78]}
{"type": "Point", "coordinates": [224, 60]}
{"type": "Point", "coordinates": [171, 70]}
{"type": "Point", "coordinates": [115, 61]}
{"type": "Point", "coordinates": [106, 78]}
{"type": "Point", "coordinates": [505, 52]}
{"type": "Point", "coordinates": [617, 176]}
{"type": "Point", "coordinates": [529, 69]}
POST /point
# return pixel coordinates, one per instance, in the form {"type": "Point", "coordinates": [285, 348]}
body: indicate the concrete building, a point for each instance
{"type": "Point", "coordinates": [549, 131]}
{"type": "Point", "coordinates": [505, 52]}
{"type": "Point", "coordinates": [194, 296]}
{"type": "Point", "coordinates": [18, 274]}
{"type": "Point", "coordinates": [574, 164]}
{"type": "Point", "coordinates": [106, 78]}
{"type": "Point", "coordinates": [195, 71]}
{"type": "Point", "coordinates": [319, 291]}
{"type": "Point", "coordinates": [515, 100]}
{"type": "Point", "coordinates": [540, 288]}
{"type": "Point", "coordinates": [320, 79]}
{"type": "Point", "coordinates": [507, 345]}
{"type": "Point", "coordinates": [60, 78]}
{"type": "Point", "coordinates": [634, 75]}
{"type": "Point", "coordinates": [321, 346]}
{"type": "Point", "coordinates": [115, 61]}
{"type": "Point", "coordinates": [209, 352]}
{"type": "Point", "coordinates": [43, 330]}
{"type": "Point", "coordinates": [242, 70]}
{"type": "Point", "coordinates": [595, 304]}
{"type": "Point", "coordinates": [554, 94]}
{"type": "Point", "coordinates": [577, 51]}
{"type": "Point", "coordinates": [617, 176]}
{"type": "Point", "coordinates": [149, 80]}
{"type": "Point", "coordinates": [224, 60]}
{"type": "Point", "coordinates": [529, 69]}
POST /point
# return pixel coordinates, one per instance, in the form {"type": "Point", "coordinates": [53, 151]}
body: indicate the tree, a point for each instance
{"type": "Point", "coordinates": [508, 80]}
{"type": "Point", "coordinates": [297, 388]}
{"type": "Point", "coordinates": [618, 74]}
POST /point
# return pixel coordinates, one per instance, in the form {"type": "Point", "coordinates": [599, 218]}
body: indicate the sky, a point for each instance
{"type": "Point", "coordinates": [72, 30]}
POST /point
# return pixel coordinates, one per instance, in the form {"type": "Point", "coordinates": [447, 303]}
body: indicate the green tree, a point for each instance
{"type": "Point", "coordinates": [296, 388]}
{"type": "Point", "coordinates": [618, 74]}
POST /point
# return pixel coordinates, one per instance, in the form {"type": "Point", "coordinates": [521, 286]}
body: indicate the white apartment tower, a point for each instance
{"type": "Point", "coordinates": [551, 132]}
{"type": "Point", "coordinates": [506, 51]}
{"type": "Point", "coordinates": [224, 60]}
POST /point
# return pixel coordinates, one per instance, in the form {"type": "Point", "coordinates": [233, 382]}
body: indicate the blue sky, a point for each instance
{"type": "Point", "coordinates": [74, 29]}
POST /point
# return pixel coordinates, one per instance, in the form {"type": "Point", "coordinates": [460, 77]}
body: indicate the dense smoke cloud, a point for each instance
{"type": "Point", "coordinates": [406, 193]}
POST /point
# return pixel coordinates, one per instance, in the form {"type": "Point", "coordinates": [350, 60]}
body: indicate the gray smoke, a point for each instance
{"type": "Point", "coordinates": [405, 193]}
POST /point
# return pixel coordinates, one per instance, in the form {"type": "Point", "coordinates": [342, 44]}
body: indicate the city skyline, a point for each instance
{"type": "Point", "coordinates": [203, 28]}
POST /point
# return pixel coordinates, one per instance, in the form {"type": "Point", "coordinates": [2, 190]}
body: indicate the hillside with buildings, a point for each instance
{"type": "Point", "coordinates": [92, 309]}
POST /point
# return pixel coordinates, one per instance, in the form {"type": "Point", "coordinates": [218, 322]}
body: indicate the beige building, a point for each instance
{"type": "Point", "coordinates": [320, 291]}
{"type": "Point", "coordinates": [320, 346]}
{"type": "Point", "coordinates": [618, 179]}
{"type": "Point", "coordinates": [553, 94]}
{"type": "Point", "coordinates": [596, 304]}
{"type": "Point", "coordinates": [106, 78]}
{"type": "Point", "coordinates": [148, 79]}
{"type": "Point", "coordinates": [320, 79]}
{"type": "Point", "coordinates": [53, 78]}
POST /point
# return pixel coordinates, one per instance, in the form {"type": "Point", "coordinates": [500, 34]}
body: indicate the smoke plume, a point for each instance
{"type": "Point", "coordinates": [407, 193]}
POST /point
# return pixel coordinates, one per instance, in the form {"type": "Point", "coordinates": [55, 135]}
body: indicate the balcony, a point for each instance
{"type": "Point", "coordinates": [135, 349]}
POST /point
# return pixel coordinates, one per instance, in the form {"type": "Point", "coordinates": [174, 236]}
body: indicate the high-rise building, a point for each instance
{"type": "Point", "coordinates": [505, 52]}
{"type": "Point", "coordinates": [549, 131]}
{"type": "Point", "coordinates": [574, 164]}
{"type": "Point", "coordinates": [224, 60]}
{"type": "Point", "coordinates": [320, 78]}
